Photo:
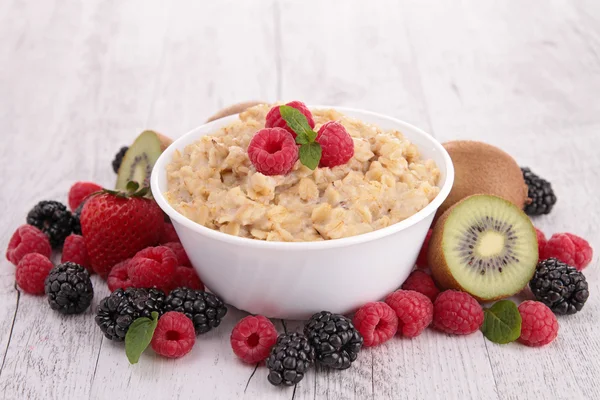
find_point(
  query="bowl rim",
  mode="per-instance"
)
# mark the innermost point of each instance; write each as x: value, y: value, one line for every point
x: 166, y: 156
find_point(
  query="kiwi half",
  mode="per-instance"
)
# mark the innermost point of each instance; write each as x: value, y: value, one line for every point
x: 485, y: 246
x: 139, y: 159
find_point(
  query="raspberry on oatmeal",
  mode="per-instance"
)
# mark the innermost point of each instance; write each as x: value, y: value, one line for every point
x: 213, y: 183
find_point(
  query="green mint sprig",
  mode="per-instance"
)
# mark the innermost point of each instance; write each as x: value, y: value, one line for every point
x: 502, y: 322
x: 138, y: 336
x: 310, y: 150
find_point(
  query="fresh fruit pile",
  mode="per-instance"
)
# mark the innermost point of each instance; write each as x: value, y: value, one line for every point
x: 483, y: 247
x: 157, y: 298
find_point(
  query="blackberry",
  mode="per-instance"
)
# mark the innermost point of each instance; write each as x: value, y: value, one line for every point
x: 540, y: 192
x: 116, y: 312
x: 69, y: 288
x: 290, y: 358
x: 52, y: 218
x: 204, y: 309
x: 336, y: 341
x: 116, y: 163
x: 559, y: 286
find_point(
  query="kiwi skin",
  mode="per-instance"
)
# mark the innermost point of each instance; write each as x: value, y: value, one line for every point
x: 234, y: 109
x: 480, y: 168
x: 437, y: 262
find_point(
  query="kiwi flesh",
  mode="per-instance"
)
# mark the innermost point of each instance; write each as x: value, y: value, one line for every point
x: 234, y: 109
x: 480, y: 168
x: 139, y: 159
x: 485, y: 246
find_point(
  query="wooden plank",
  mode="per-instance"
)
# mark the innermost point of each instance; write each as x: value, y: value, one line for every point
x: 525, y: 82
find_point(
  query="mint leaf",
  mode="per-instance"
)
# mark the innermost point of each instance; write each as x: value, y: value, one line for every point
x: 302, y: 139
x: 502, y: 322
x: 310, y: 154
x: 138, y: 337
x: 297, y: 122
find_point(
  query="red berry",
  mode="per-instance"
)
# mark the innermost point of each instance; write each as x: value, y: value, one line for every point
x: 27, y: 239
x: 273, y: 151
x: 568, y: 248
x: 168, y: 234
x: 252, y: 338
x: 376, y: 322
x: 182, y: 258
x: 185, y: 276
x: 422, y: 259
x: 174, y: 336
x: 274, y: 119
x: 421, y: 282
x: 153, y: 267
x: 79, y: 191
x: 541, y: 239
x: 336, y: 144
x: 31, y: 272
x: 116, y: 228
x: 539, y: 325
x: 457, y: 313
x: 413, y: 309
x: 118, y: 278
x: 74, y: 250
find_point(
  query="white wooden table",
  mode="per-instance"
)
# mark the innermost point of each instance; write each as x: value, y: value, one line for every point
x: 80, y: 79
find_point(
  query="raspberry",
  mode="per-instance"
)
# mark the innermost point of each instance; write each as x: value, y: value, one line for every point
x: 79, y: 191
x: 27, y: 239
x: 568, y: 248
x: 152, y: 267
x: 252, y: 338
x: 541, y: 239
x: 422, y: 259
x: 118, y: 277
x: 168, y: 234
x: 174, y: 336
x: 31, y: 272
x: 421, y: 282
x: 273, y: 151
x: 539, y: 325
x: 182, y: 258
x: 186, y: 277
x: 74, y: 250
x: 274, y: 119
x: 336, y: 144
x: 457, y: 313
x: 413, y: 309
x: 376, y: 322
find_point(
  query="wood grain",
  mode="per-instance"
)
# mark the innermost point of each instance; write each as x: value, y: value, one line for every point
x: 80, y: 79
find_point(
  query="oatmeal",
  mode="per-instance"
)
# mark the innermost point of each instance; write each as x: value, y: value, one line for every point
x: 213, y: 183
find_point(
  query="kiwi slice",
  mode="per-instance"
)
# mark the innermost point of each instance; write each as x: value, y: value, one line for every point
x: 485, y: 246
x: 139, y: 159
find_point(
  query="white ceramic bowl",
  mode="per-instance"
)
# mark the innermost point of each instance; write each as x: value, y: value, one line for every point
x: 295, y: 280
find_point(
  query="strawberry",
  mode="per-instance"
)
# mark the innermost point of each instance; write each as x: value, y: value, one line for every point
x: 116, y: 225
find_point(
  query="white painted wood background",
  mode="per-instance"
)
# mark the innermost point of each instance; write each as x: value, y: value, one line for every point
x: 79, y: 79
